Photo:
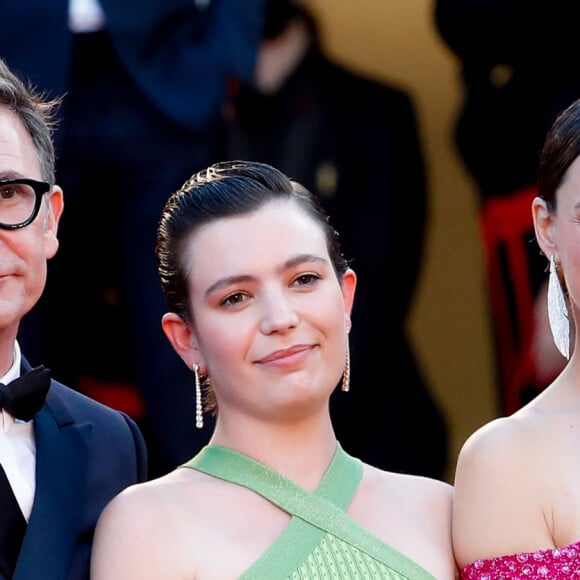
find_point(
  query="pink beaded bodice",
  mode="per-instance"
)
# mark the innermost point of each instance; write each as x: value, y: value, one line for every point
x: 552, y: 564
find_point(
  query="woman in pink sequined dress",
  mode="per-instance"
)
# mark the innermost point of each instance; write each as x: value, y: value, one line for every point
x: 517, y: 483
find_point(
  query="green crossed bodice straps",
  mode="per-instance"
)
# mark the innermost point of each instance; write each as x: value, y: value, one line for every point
x: 321, y: 540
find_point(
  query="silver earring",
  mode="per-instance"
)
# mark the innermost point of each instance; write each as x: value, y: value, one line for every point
x: 346, y: 374
x: 558, y: 312
x: 198, y: 399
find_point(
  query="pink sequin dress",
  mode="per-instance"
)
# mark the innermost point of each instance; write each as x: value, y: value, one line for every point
x: 552, y: 564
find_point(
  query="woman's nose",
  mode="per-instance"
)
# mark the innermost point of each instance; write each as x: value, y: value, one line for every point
x: 279, y: 316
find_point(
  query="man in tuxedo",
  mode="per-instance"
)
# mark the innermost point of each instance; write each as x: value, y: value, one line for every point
x: 143, y: 84
x: 63, y: 456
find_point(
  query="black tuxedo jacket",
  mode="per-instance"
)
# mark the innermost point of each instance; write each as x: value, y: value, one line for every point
x: 86, y: 453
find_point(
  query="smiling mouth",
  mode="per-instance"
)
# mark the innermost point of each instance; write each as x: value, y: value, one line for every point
x: 286, y: 354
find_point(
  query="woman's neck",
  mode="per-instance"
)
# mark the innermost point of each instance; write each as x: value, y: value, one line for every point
x: 300, y: 451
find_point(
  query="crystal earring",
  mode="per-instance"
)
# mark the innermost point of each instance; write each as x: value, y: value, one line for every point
x: 198, y: 398
x: 558, y: 312
x: 346, y: 374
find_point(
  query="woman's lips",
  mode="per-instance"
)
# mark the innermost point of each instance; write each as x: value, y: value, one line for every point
x: 286, y: 355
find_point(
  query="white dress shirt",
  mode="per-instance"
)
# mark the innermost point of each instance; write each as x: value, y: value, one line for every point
x: 17, y: 447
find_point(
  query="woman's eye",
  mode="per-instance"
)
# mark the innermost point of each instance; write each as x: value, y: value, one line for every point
x: 234, y: 299
x: 306, y: 279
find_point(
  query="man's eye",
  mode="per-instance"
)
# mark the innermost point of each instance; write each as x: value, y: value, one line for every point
x: 7, y: 192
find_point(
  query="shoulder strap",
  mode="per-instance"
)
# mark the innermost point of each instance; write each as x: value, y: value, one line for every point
x: 312, y: 507
x: 338, y: 484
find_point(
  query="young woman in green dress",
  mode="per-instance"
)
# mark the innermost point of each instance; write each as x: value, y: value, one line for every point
x: 259, y: 300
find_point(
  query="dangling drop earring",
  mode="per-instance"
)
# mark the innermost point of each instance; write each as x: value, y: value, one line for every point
x: 346, y: 374
x: 558, y: 312
x: 198, y: 399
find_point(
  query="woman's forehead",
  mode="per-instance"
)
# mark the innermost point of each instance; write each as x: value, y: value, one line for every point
x: 271, y: 233
x: 269, y: 221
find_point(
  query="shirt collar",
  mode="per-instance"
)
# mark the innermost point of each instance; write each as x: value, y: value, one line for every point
x: 14, y: 370
x: 13, y: 373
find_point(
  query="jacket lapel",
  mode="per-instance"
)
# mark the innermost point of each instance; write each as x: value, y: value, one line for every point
x: 61, y: 466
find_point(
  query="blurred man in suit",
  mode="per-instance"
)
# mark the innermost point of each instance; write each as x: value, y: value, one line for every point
x: 354, y: 142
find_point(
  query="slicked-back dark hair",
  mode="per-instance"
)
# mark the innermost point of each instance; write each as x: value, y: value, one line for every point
x: 561, y: 148
x: 226, y: 189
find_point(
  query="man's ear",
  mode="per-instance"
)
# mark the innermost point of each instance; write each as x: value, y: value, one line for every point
x: 182, y: 338
x: 55, y: 205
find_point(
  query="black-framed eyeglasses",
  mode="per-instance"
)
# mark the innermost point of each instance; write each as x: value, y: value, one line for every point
x: 20, y: 201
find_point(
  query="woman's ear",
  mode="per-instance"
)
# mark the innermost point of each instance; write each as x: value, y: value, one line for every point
x: 348, y: 285
x: 182, y: 338
x: 543, y: 227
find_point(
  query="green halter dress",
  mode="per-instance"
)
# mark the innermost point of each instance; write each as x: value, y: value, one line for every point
x: 321, y: 542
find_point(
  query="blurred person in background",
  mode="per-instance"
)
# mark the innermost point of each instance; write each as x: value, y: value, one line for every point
x: 354, y: 142
x: 518, y: 71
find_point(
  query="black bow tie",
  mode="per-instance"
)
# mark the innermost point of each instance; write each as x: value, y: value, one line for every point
x: 24, y: 396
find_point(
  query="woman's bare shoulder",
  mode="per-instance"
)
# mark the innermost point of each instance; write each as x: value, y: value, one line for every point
x: 155, y: 495
x: 421, y: 502
x: 412, y: 513
x: 142, y: 510
x: 417, y: 487
x: 424, y: 502
x: 499, y: 489
x: 497, y: 451
x: 131, y: 534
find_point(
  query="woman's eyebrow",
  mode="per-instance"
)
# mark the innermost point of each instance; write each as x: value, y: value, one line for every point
x: 240, y: 278
x: 303, y: 259
x: 228, y: 281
